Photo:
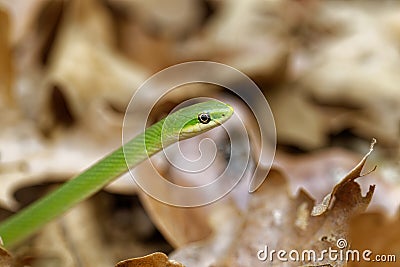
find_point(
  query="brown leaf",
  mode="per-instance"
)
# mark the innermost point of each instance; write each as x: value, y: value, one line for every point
x: 278, y: 221
x: 379, y: 234
x: 6, y: 63
x: 178, y: 225
x: 96, y: 232
x: 254, y: 53
x: 226, y: 221
x: 319, y: 171
x: 156, y: 259
x: 355, y: 71
x: 354, y: 174
x: 5, y: 257
x: 148, y: 29
x: 68, y: 84
x: 88, y: 93
x: 298, y: 122
x: 75, y: 239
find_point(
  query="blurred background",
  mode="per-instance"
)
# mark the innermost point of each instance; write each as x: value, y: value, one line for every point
x: 329, y: 70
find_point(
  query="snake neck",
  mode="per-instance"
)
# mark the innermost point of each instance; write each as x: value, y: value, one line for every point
x: 151, y: 141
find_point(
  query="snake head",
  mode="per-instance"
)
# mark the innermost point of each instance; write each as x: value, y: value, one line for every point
x: 199, y: 118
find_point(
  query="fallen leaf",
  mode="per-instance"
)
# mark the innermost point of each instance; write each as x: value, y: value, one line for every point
x: 70, y: 240
x: 103, y: 78
x: 5, y: 257
x: 276, y: 221
x: 298, y: 122
x: 156, y: 259
x: 34, y: 139
x: 355, y: 70
x: 379, y: 234
x: 354, y: 174
x: 96, y: 232
x: 178, y: 225
x: 316, y: 172
x: 23, y: 15
x: 258, y: 55
x: 326, y: 67
x: 6, y: 63
x: 319, y: 171
x: 226, y: 221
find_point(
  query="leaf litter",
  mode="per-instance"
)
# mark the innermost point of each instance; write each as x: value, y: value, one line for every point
x: 327, y: 68
x: 277, y: 221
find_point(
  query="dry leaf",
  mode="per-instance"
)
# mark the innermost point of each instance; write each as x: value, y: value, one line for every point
x: 178, y: 225
x: 325, y: 67
x: 24, y: 15
x: 276, y: 220
x: 27, y: 159
x: 237, y: 36
x: 89, y: 79
x: 226, y: 221
x: 356, y: 70
x: 156, y: 259
x: 149, y: 28
x: 67, y: 92
x: 281, y: 223
x: 354, y: 174
x: 379, y: 234
x: 74, y: 239
x: 96, y: 232
x: 6, y: 63
x: 5, y: 257
x: 298, y: 122
x: 319, y: 171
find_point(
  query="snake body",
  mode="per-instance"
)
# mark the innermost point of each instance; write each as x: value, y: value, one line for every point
x: 182, y: 124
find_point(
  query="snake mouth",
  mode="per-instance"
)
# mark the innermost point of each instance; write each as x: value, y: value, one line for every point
x: 224, y: 116
x: 218, y: 122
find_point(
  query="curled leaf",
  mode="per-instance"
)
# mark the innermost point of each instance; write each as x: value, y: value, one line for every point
x: 156, y: 259
x: 276, y: 221
x: 321, y: 208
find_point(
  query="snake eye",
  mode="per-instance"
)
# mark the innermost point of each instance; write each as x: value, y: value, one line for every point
x: 204, y: 118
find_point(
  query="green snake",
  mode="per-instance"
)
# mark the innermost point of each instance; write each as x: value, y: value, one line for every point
x: 182, y: 124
